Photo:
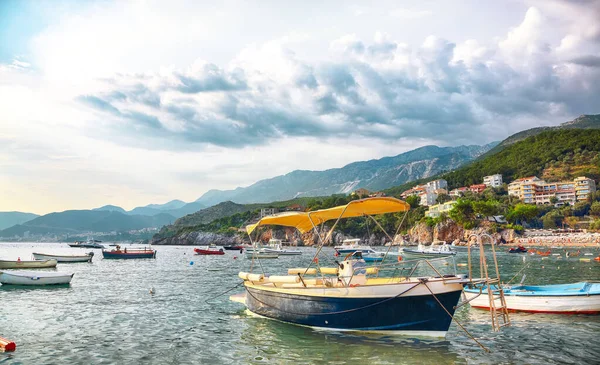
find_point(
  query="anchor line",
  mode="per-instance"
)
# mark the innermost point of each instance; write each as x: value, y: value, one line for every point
x: 337, y: 312
x: 455, y: 320
x: 225, y: 292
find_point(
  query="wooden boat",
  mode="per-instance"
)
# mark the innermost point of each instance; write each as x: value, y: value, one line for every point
x: 64, y: 258
x: 518, y: 249
x: 19, y: 264
x: 209, y: 250
x: 576, y: 298
x: 422, y: 252
x: 350, y: 297
x: 34, y: 278
x: 117, y: 253
x: 262, y: 255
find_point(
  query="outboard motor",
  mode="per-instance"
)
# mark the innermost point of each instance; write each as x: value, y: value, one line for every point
x: 352, y: 272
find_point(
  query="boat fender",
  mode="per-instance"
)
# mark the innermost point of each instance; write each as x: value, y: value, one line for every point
x: 7, y: 345
x: 243, y: 275
x: 399, y: 258
x: 256, y: 277
x: 287, y: 279
x: 354, y: 285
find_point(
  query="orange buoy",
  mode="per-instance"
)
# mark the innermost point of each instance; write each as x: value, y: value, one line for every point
x: 399, y: 258
x: 7, y: 345
x: 597, y: 258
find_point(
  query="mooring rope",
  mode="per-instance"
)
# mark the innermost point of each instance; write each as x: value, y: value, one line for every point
x: 225, y: 292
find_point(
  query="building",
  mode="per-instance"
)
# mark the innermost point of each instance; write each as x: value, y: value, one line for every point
x: 377, y: 194
x: 438, y: 209
x: 267, y: 211
x: 295, y: 208
x: 458, y: 192
x: 428, y: 198
x: 362, y: 192
x: 583, y: 187
x: 533, y: 190
x: 477, y: 188
x: 494, y: 181
x: 437, y: 184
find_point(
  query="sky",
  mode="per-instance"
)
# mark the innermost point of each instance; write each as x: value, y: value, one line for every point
x: 138, y: 102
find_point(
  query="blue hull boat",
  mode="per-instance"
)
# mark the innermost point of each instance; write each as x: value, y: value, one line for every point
x: 131, y: 254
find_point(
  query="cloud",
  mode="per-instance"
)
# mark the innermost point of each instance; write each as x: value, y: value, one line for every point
x: 403, y: 13
x: 587, y: 60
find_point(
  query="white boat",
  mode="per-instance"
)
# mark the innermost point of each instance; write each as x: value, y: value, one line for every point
x: 576, y: 298
x: 261, y: 254
x: 20, y: 264
x: 34, y: 278
x: 352, y: 245
x: 422, y: 252
x: 351, y: 296
x: 64, y: 258
x: 275, y: 247
x: 90, y: 243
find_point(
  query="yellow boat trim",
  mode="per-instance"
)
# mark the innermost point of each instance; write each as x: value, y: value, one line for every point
x: 304, y: 221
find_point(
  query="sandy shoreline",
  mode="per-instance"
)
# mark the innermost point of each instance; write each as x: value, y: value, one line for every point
x: 550, y: 239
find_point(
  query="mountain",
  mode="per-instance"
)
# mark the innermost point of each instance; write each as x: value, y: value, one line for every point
x: 81, y: 221
x: 8, y: 219
x: 582, y: 122
x: 111, y: 208
x: 372, y: 175
x: 173, y: 204
x: 168, y: 208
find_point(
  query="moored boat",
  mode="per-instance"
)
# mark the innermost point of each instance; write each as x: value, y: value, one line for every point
x: 34, y: 278
x: 575, y: 298
x: 90, y: 243
x: 276, y: 248
x: 209, y: 250
x: 234, y: 247
x: 64, y: 258
x: 20, y: 264
x: 351, y: 245
x: 117, y: 253
x: 262, y: 255
x: 422, y: 252
x: 351, y: 297
x: 518, y: 249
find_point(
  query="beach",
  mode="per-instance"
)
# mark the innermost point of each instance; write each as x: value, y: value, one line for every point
x: 552, y: 238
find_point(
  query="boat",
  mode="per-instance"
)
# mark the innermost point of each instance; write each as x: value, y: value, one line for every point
x: 275, y: 247
x: 117, y: 253
x: 351, y: 245
x: 234, y: 247
x: 90, y: 243
x: 422, y: 252
x: 541, y: 253
x: 351, y: 296
x: 64, y: 258
x: 518, y: 249
x: 20, y: 264
x: 262, y: 255
x: 575, y: 298
x: 209, y: 250
x: 34, y: 278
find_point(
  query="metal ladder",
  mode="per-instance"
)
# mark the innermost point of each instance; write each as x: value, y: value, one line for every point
x: 495, y: 292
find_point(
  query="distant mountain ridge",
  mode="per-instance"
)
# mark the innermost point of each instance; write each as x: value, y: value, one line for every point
x: 372, y: 175
x: 78, y: 221
x: 9, y: 219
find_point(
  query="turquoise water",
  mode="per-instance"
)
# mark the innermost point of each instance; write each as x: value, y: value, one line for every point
x: 108, y: 316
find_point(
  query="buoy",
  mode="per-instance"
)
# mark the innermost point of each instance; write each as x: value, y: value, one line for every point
x: 461, y: 265
x: 152, y: 290
x: 191, y: 263
x: 399, y: 258
x: 7, y: 345
x: 542, y: 267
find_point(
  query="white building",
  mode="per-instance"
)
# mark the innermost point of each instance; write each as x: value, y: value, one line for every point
x: 437, y: 184
x: 267, y: 211
x: 495, y: 181
x: 428, y: 198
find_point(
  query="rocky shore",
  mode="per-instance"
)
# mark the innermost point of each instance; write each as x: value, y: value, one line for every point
x: 198, y: 239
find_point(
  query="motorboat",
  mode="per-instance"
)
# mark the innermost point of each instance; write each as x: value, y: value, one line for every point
x: 351, y: 296
x: 575, y: 298
x: 209, y: 250
x: 118, y: 253
x: 429, y: 252
x: 34, y: 278
x: 351, y: 245
x: 64, y: 258
x: 234, y: 247
x: 518, y: 249
x: 34, y: 264
x: 90, y: 243
x: 276, y: 247
x: 262, y: 255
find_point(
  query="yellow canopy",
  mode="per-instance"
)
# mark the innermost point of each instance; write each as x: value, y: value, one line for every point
x: 304, y: 221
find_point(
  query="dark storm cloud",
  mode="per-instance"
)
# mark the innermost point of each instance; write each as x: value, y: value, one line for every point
x: 587, y: 60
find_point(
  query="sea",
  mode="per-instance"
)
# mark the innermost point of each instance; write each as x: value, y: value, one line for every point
x: 109, y: 316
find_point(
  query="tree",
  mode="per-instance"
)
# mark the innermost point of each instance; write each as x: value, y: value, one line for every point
x: 571, y: 222
x: 552, y: 219
x: 581, y: 208
x: 522, y: 212
x: 413, y: 201
x: 462, y: 212
x: 486, y: 208
x: 553, y: 200
x: 595, y: 209
x: 442, y: 198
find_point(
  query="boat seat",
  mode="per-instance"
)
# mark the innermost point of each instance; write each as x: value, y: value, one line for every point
x: 251, y: 277
x: 281, y: 279
x: 329, y: 270
x: 372, y: 270
x: 299, y: 270
x: 308, y: 282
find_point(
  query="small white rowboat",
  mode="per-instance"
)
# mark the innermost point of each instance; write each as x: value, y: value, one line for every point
x: 64, y: 258
x: 34, y: 278
x: 36, y: 264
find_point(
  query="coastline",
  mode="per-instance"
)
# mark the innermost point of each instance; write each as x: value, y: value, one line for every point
x: 550, y: 239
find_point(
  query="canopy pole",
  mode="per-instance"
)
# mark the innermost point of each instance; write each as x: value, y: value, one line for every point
x: 390, y: 246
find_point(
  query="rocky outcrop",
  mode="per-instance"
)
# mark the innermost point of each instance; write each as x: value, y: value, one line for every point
x: 198, y: 239
x: 451, y: 232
